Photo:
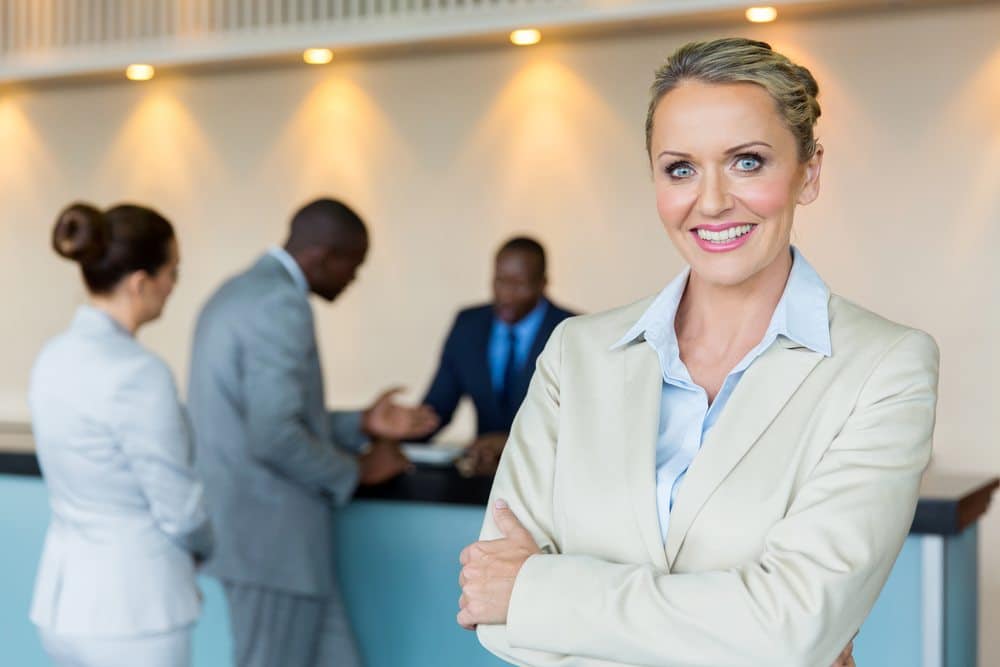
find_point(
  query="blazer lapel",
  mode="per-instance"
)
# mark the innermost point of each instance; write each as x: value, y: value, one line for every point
x: 640, y: 410
x: 762, y: 392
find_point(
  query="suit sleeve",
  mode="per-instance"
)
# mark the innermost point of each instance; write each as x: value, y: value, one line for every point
x: 446, y: 389
x: 155, y: 437
x: 821, y: 569
x: 345, y: 429
x: 279, y: 345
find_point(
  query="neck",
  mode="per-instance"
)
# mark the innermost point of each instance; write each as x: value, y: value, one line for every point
x: 721, y: 315
x: 302, y: 261
x: 119, y: 310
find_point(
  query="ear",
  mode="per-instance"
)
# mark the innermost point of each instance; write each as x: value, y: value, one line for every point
x: 810, y: 186
x: 309, y: 257
x: 135, y: 283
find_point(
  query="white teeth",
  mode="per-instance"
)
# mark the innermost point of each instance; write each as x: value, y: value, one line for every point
x: 724, y: 235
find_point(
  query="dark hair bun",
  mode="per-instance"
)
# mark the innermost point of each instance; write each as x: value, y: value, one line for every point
x: 81, y: 233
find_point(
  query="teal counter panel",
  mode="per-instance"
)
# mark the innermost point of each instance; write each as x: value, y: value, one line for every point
x: 398, y: 567
x: 24, y: 516
x: 398, y: 564
x: 891, y: 634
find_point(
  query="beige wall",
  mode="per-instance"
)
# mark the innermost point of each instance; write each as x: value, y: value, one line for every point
x: 447, y: 154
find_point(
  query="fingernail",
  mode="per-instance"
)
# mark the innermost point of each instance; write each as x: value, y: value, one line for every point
x: 500, y: 504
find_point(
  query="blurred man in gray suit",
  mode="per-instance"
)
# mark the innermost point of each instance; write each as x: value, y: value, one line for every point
x: 274, y: 461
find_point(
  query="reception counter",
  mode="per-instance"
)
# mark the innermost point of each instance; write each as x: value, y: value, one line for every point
x: 398, y: 546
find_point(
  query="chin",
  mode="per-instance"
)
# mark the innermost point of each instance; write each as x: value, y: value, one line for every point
x: 731, y: 269
x: 330, y: 295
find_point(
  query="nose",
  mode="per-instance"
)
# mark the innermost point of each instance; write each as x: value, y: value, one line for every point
x: 714, y: 198
x: 502, y: 293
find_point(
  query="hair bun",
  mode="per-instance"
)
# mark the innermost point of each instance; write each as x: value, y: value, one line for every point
x: 81, y: 233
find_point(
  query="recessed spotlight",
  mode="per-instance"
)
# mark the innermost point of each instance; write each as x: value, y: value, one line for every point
x: 761, y: 14
x: 317, y: 56
x: 139, y: 72
x: 525, y: 37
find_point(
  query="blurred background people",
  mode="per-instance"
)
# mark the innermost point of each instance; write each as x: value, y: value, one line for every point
x: 276, y: 462
x: 490, y: 352
x: 116, y: 583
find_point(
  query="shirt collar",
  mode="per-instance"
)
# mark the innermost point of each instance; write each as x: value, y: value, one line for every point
x: 293, y: 268
x: 91, y: 319
x: 802, y: 315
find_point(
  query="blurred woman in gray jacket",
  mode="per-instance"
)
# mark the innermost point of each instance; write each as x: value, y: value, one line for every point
x: 116, y: 583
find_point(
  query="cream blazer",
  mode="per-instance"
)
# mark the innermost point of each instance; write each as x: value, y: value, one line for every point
x: 783, y: 531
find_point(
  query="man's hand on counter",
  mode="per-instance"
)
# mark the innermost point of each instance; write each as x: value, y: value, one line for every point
x: 392, y: 421
x: 382, y: 462
x: 483, y: 456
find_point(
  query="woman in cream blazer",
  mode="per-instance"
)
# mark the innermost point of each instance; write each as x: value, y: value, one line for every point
x: 722, y: 475
x: 116, y: 582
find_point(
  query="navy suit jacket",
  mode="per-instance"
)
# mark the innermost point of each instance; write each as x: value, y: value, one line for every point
x: 464, y: 369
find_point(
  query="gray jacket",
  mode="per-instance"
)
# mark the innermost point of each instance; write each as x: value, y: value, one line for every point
x: 274, y: 461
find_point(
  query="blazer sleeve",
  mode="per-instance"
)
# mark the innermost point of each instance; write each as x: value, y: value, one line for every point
x: 820, y: 571
x: 279, y: 350
x: 155, y: 437
x: 345, y: 429
x: 446, y: 389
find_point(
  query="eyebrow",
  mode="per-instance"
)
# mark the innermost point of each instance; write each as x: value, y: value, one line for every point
x: 734, y: 149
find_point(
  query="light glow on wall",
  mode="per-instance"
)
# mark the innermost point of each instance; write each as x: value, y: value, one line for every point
x: 525, y: 37
x: 761, y: 14
x: 139, y: 72
x: 317, y: 56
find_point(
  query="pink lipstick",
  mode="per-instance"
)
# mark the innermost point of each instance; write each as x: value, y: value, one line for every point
x: 723, y: 237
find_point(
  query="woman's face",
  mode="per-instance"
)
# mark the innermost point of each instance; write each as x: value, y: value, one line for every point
x: 157, y: 287
x: 728, y: 178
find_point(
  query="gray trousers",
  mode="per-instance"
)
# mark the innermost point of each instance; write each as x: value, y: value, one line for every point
x: 273, y: 628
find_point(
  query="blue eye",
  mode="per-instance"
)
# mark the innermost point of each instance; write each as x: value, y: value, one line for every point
x: 749, y: 162
x: 680, y: 170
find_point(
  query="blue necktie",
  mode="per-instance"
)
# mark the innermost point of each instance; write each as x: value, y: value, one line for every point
x: 509, y: 375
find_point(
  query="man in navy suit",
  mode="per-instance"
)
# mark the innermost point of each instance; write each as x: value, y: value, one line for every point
x: 490, y: 352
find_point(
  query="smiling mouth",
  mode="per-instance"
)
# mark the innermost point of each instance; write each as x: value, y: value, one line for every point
x: 724, y: 235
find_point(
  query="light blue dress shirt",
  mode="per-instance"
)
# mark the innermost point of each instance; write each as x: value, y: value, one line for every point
x: 525, y: 331
x: 686, y: 417
x: 291, y: 266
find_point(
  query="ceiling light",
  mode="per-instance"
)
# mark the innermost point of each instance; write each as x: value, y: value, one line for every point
x: 761, y: 14
x: 525, y: 37
x: 139, y: 72
x: 317, y: 56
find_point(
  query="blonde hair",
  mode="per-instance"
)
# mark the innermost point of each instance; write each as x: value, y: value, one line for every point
x: 738, y: 60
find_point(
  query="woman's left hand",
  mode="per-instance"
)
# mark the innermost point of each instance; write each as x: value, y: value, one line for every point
x: 489, y: 569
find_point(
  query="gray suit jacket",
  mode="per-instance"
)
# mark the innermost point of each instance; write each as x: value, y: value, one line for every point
x: 273, y: 459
